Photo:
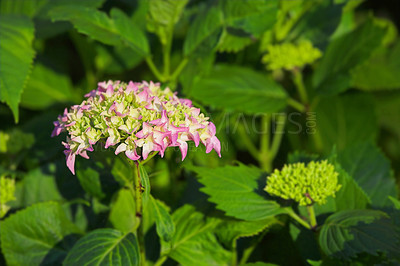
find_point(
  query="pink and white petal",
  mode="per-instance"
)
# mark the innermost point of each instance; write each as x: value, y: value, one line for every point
x: 121, y: 147
x: 131, y: 154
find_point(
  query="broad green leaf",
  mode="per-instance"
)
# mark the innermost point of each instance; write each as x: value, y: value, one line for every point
x: 234, y: 190
x: 204, y: 33
x: 345, y: 120
x: 40, y: 8
x: 229, y: 230
x: 318, y: 24
x: 380, y: 72
x: 105, y: 247
x: 395, y: 202
x: 22, y: 7
x: 350, y: 196
x: 37, y: 235
x: 16, y: 34
x: 164, y: 225
x: 162, y: 17
x: 30, y: 190
x: 251, y: 16
x: 90, y: 180
x: 343, y: 54
x: 123, y: 211
x: 193, y: 242
x: 371, y: 170
x: 117, y: 59
x: 130, y: 34
x: 145, y: 183
x: 122, y: 171
x: 348, y: 233
x: 46, y: 87
x: 239, y: 89
x: 89, y: 21
x: 98, y: 26
x: 230, y: 42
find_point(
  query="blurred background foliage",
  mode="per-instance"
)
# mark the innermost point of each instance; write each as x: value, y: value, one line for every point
x: 237, y: 60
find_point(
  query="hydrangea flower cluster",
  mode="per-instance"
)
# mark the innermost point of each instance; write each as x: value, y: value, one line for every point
x: 289, y: 56
x: 135, y: 118
x: 304, y: 184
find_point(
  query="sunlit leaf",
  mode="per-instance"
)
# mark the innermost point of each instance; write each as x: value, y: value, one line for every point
x: 105, y: 247
x: 39, y: 235
x: 164, y: 225
x: 16, y: 56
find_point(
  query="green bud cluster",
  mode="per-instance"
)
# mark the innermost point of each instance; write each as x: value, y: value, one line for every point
x: 289, y: 56
x: 7, y: 189
x: 304, y: 184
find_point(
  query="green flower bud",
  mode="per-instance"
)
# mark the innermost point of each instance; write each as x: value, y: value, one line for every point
x: 304, y: 184
x: 289, y: 56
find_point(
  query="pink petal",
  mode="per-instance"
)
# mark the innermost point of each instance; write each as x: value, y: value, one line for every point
x: 122, y: 147
x: 132, y: 155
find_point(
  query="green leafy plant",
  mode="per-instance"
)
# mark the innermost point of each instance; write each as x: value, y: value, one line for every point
x: 299, y: 99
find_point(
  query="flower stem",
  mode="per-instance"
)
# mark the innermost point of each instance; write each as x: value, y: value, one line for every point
x: 298, y: 81
x: 247, y: 142
x: 161, y: 260
x: 311, y: 214
x: 296, y: 105
x: 154, y: 69
x: 139, y: 213
x: 292, y: 214
x: 179, y: 69
x: 278, y: 134
x: 265, y: 157
x: 167, y: 56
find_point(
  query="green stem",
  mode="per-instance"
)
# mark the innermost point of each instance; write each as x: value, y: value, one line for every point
x: 247, y: 252
x: 296, y: 105
x: 139, y: 213
x: 298, y: 81
x: 278, y: 134
x: 167, y: 56
x: 149, y: 158
x: 265, y: 156
x: 297, y: 218
x: 179, y: 69
x: 234, y: 254
x: 154, y: 69
x: 160, y: 261
x: 311, y: 214
x: 247, y: 142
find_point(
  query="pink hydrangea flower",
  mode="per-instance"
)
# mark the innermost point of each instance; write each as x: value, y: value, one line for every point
x: 135, y: 118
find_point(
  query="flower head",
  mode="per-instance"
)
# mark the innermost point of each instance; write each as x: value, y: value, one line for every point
x: 289, y: 56
x: 136, y: 119
x: 304, y: 184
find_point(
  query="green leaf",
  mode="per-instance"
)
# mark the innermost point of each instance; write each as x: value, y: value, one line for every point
x: 122, y: 172
x: 90, y: 180
x: 52, y: 4
x: 30, y: 190
x: 350, y: 196
x: 46, y: 87
x: 98, y: 26
x: 345, y: 120
x: 318, y: 24
x: 88, y: 21
x: 145, y: 183
x: 239, y: 89
x: 395, y: 202
x: 105, y: 247
x: 123, y: 211
x: 251, y: 16
x: 380, y: 72
x: 229, y: 230
x: 204, y: 33
x: 37, y: 235
x: 130, y: 33
x: 162, y: 17
x: 164, y: 225
x: 116, y: 59
x: 16, y: 34
x: 230, y: 42
x: 234, y: 190
x: 348, y: 233
x: 343, y: 54
x: 193, y: 242
x: 22, y: 7
x: 370, y: 168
